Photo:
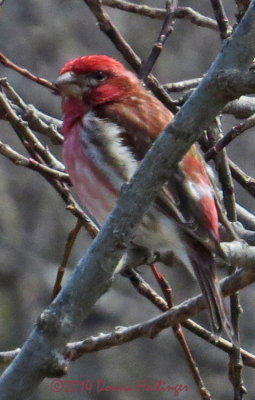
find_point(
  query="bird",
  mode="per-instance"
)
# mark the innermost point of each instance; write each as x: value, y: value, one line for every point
x: 110, y: 121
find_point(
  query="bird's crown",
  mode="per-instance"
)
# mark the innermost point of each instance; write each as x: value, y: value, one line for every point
x: 92, y: 63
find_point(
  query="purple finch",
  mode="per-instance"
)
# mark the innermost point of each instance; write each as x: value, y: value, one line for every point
x: 110, y: 121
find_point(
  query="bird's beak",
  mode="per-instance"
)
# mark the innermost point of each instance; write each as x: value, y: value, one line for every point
x: 65, y: 79
x: 68, y: 85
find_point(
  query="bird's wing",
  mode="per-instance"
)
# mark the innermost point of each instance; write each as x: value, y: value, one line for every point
x: 189, y: 199
x: 188, y: 196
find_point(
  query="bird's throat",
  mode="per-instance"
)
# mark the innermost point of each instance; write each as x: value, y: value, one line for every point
x: 74, y: 109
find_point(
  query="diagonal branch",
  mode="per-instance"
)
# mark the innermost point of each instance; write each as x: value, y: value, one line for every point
x: 234, y: 132
x: 221, y: 18
x: 179, y: 334
x: 24, y: 72
x: 246, y: 181
x: 166, y: 30
x: 19, y: 159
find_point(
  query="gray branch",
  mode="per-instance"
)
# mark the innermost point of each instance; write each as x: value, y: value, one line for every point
x: 154, y: 326
x: 241, y: 108
x: 236, y: 253
x: 245, y: 217
x: 42, y: 354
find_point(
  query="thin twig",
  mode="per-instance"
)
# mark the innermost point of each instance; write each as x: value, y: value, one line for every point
x: 222, y: 167
x: 19, y: 159
x: 236, y: 363
x: 178, y: 332
x: 205, y: 143
x: 71, y: 205
x: 68, y: 248
x: 37, y: 120
x: 183, y: 85
x: 32, y: 144
x: 166, y: 30
x: 221, y: 18
x: 33, y: 117
x: 196, y: 18
x: 246, y: 181
x: 146, y: 290
x: 221, y: 343
x: 246, y: 217
x: 234, y: 132
x: 149, y: 293
x: 24, y: 72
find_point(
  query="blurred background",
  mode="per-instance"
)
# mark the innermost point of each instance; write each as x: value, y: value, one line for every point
x: 41, y: 36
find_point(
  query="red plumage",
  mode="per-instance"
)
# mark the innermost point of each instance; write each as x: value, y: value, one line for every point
x: 110, y: 121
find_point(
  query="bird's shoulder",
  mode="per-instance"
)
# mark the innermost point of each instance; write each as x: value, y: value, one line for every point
x: 141, y: 116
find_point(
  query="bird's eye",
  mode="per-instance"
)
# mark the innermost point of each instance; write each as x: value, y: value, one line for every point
x: 100, y: 75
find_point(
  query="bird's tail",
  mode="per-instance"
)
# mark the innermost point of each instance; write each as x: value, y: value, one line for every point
x: 205, y: 270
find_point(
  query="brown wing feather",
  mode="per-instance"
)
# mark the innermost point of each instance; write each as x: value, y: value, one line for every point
x: 141, y: 126
x: 142, y: 116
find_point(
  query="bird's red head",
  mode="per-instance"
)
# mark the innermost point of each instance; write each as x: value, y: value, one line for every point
x: 91, y: 64
x: 96, y: 79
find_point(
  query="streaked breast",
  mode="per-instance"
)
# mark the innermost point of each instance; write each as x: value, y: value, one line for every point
x: 98, y: 164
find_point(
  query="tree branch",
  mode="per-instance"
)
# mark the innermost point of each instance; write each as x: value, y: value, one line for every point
x: 24, y: 72
x: 234, y: 132
x: 19, y: 159
x: 159, y: 13
x: 221, y: 18
x: 155, y: 325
